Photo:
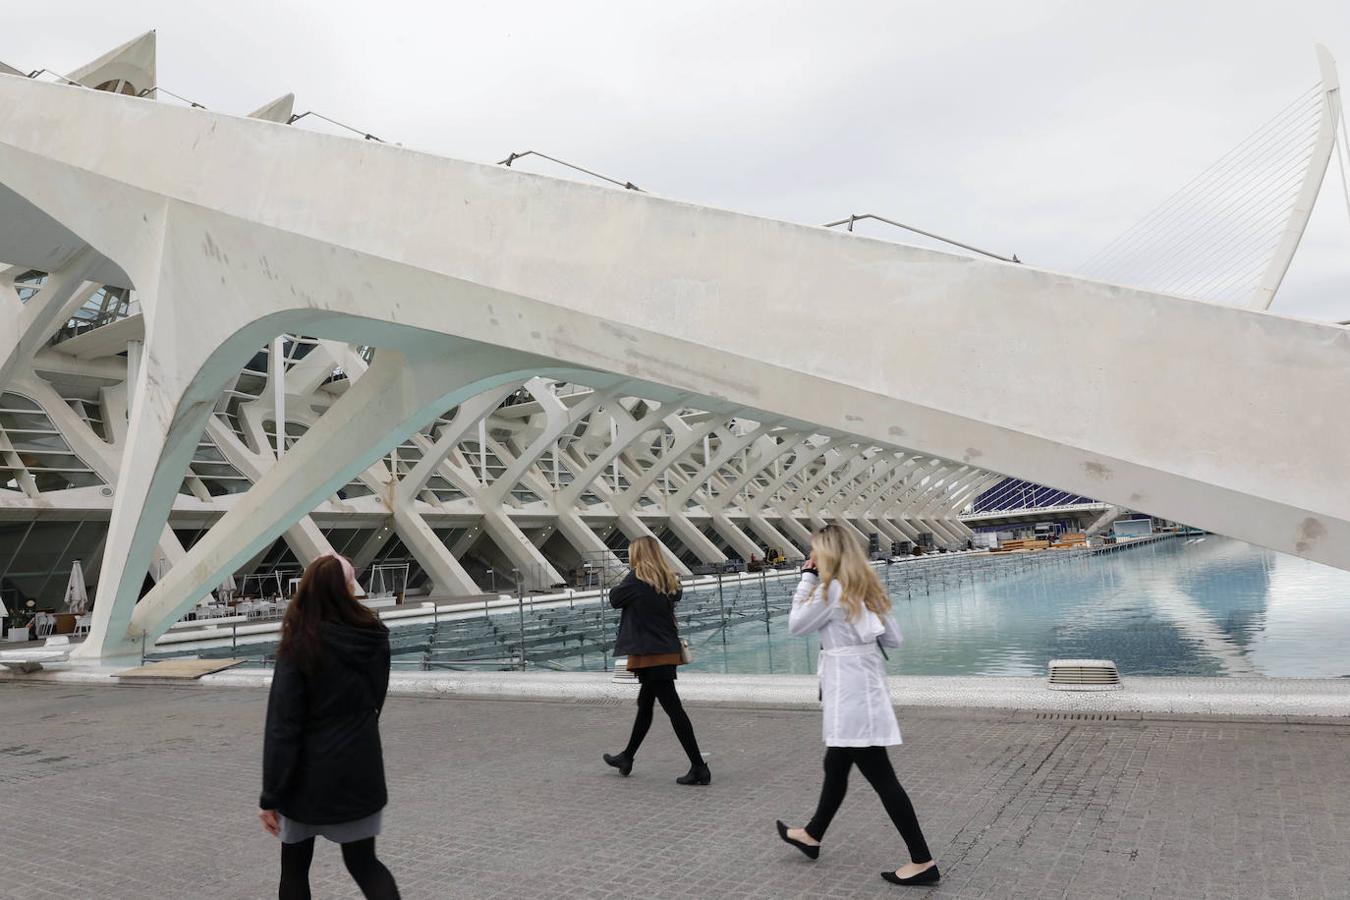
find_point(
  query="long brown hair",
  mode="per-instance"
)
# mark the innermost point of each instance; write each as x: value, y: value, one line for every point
x: 649, y: 565
x: 325, y: 595
x: 839, y: 557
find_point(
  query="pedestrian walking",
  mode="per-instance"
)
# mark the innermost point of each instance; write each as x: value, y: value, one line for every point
x: 650, y: 638
x: 323, y: 768
x: 841, y: 598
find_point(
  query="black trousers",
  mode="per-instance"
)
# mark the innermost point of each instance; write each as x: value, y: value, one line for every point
x: 875, y: 765
x: 371, y: 876
x: 654, y: 690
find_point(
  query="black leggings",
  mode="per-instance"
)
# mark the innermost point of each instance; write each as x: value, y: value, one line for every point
x: 371, y: 876
x: 664, y: 691
x: 876, y: 768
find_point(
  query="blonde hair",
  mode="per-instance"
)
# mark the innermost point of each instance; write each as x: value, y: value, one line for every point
x: 649, y: 565
x: 840, y: 558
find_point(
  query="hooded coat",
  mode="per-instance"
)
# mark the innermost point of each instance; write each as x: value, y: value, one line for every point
x: 322, y: 759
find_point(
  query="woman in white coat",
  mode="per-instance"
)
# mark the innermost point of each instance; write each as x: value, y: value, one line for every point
x: 841, y: 598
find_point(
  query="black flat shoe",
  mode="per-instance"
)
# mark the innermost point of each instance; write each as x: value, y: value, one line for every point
x: 930, y: 875
x: 621, y: 762
x: 811, y: 851
x: 696, y: 775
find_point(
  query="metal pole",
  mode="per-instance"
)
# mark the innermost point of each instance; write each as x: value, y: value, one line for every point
x: 764, y: 594
x: 520, y: 609
x: 278, y: 374
x: 604, y: 653
x: 722, y: 603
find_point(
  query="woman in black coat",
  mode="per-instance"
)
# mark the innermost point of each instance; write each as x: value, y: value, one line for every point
x: 323, y: 768
x: 650, y: 639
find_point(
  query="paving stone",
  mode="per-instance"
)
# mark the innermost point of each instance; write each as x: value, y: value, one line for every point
x: 150, y: 792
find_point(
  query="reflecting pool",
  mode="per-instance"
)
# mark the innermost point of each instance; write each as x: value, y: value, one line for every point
x: 1185, y: 606
x: 1206, y: 606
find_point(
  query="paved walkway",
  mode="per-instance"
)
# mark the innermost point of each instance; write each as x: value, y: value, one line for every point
x: 150, y: 792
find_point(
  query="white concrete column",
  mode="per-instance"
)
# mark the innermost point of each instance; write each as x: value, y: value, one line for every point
x: 135, y: 351
x: 28, y: 326
x: 396, y: 396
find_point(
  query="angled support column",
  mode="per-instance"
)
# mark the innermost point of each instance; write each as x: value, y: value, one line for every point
x: 584, y: 539
x: 633, y: 527
x: 805, y: 495
x: 305, y: 539
x: 771, y: 536
x: 863, y: 473
x: 935, y: 497
x: 693, y: 538
x: 100, y: 456
x: 364, y: 555
x: 447, y: 575
x: 861, y: 502
x: 558, y: 418
x: 395, y: 396
x: 30, y: 325
x: 894, y: 501
x: 951, y: 514
x: 686, y: 438
x: 915, y: 500
x: 787, y: 524
x: 941, y: 511
x: 732, y: 534
x: 751, y: 507
x: 499, y: 526
x: 728, y: 446
x: 628, y: 430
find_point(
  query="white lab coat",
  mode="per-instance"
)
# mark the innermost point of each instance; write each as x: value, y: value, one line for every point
x: 855, y: 698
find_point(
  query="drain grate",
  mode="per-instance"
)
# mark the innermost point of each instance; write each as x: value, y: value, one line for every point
x: 1084, y: 675
x: 1078, y: 717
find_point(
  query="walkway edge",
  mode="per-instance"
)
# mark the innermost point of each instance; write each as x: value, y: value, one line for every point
x: 1281, y: 697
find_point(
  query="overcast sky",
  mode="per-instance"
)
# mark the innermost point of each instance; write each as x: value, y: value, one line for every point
x: 1044, y: 129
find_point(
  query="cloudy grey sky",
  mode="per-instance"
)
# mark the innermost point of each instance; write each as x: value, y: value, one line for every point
x: 1044, y: 129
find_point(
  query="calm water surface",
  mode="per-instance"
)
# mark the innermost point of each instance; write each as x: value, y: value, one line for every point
x: 1211, y: 606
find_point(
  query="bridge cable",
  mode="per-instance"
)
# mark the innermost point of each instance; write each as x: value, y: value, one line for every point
x: 1240, y: 154
x: 1214, y: 237
x: 1218, y: 203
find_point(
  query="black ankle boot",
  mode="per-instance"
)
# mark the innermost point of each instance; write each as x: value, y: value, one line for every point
x: 699, y: 774
x: 623, y: 762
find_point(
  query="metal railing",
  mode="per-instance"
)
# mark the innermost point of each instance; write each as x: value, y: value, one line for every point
x: 732, y: 621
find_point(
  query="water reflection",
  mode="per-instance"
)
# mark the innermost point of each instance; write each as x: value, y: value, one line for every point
x: 1214, y: 607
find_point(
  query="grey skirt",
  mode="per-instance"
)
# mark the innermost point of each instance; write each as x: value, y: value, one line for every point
x: 293, y: 832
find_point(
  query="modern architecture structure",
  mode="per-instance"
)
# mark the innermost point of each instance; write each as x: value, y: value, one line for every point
x: 229, y: 344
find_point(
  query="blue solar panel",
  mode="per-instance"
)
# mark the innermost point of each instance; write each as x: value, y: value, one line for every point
x: 1012, y: 494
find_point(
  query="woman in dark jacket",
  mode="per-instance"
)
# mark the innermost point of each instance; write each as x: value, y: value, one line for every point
x: 650, y: 639
x: 323, y: 769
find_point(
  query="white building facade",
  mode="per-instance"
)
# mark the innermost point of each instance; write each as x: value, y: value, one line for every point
x: 230, y: 345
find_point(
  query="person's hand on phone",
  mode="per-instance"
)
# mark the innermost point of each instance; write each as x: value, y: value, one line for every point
x: 271, y: 824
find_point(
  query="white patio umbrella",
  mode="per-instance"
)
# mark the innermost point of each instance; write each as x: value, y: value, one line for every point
x: 77, y: 597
